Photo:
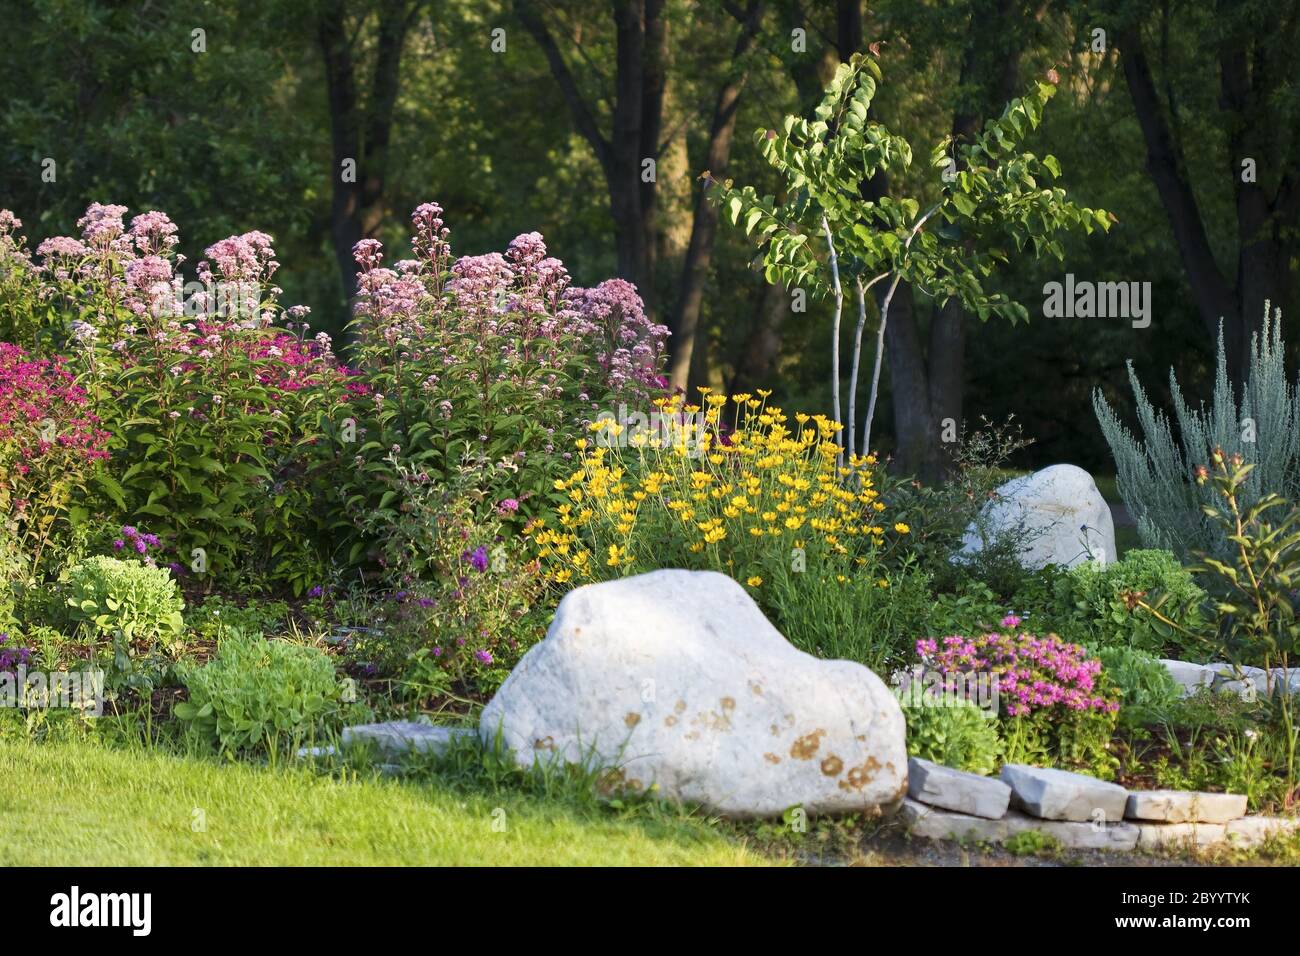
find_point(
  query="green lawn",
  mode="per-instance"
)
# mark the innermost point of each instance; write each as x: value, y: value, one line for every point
x: 87, y: 805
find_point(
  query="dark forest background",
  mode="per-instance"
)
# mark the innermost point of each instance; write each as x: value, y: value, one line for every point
x: 1161, y: 103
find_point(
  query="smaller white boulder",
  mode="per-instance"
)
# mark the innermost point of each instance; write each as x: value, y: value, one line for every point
x: 1058, y: 511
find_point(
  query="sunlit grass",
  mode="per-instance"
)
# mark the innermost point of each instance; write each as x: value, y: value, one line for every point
x: 87, y: 805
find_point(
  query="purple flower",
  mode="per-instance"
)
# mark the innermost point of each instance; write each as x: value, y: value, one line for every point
x: 478, y: 558
x: 484, y: 655
x: 119, y: 544
x: 316, y: 592
x: 508, y: 505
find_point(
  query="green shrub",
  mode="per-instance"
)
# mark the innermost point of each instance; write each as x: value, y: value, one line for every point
x: 952, y: 732
x: 1147, y: 692
x: 259, y: 694
x: 941, y: 513
x: 464, y: 604
x: 110, y: 595
x: 1154, y: 476
x: 1104, y: 614
x: 135, y: 609
x: 216, y: 615
x: 872, y: 621
x: 1077, y: 740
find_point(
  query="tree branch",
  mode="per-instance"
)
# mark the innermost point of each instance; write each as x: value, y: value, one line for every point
x: 1168, y: 171
x: 583, y: 118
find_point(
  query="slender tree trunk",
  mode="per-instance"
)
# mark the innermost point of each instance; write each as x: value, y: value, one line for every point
x: 625, y: 186
x: 1210, y: 289
x: 638, y: 103
x: 835, y: 331
x: 1254, y: 67
x: 763, y: 344
x: 345, y: 135
x: 360, y: 136
x: 654, y: 86
x: 685, y: 319
x: 927, y: 375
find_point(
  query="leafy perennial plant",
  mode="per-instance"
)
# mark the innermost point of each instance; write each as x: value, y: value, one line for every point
x: 51, y: 446
x: 727, y: 485
x: 488, y: 363
x: 1056, y: 703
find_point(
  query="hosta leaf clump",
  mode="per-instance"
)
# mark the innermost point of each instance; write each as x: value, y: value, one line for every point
x: 258, y: 694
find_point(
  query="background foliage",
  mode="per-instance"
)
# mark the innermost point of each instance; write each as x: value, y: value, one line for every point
x: 239, y: 137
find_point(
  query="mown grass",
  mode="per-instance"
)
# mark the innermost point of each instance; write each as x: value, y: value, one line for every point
x: 83, y: 804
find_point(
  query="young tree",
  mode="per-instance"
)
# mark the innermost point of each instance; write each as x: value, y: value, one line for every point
x: 826, y: 237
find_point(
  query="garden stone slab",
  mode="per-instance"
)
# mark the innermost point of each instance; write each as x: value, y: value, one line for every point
x: 675, y: 680
x: 1190, y: 677
x: 1061, y: 795
x: 404, y: 736
x: 1075, y: 835
x: 1154, y: 836
x: 951, y: 789
x: 1065, y: 519
x: 344, y: 635
x: 302, y: 753
x: 1182, y: 806
x: 934, y: 823
x: 1252, y: 831
x: 1246, y: 682
x: 1256, y: 686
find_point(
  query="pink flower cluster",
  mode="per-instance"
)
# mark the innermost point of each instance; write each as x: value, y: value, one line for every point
x: 629, y: 345
x: 1033, y: 673
x: 246, y: 258
x: 42, y: 410
x: 523, y: 297
x: 286, y: 363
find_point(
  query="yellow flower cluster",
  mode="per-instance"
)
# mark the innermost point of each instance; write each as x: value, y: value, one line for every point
x: 722, y: 480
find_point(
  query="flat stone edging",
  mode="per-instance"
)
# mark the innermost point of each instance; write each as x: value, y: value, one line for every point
x: 1248, y: 682
x: 1078, y: 811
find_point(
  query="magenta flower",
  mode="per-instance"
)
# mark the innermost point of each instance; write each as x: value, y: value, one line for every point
x: 1033, y: 673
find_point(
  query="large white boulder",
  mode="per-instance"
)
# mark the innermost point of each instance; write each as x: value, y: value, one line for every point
x: 1061, y: 514
x: 675, y: 679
